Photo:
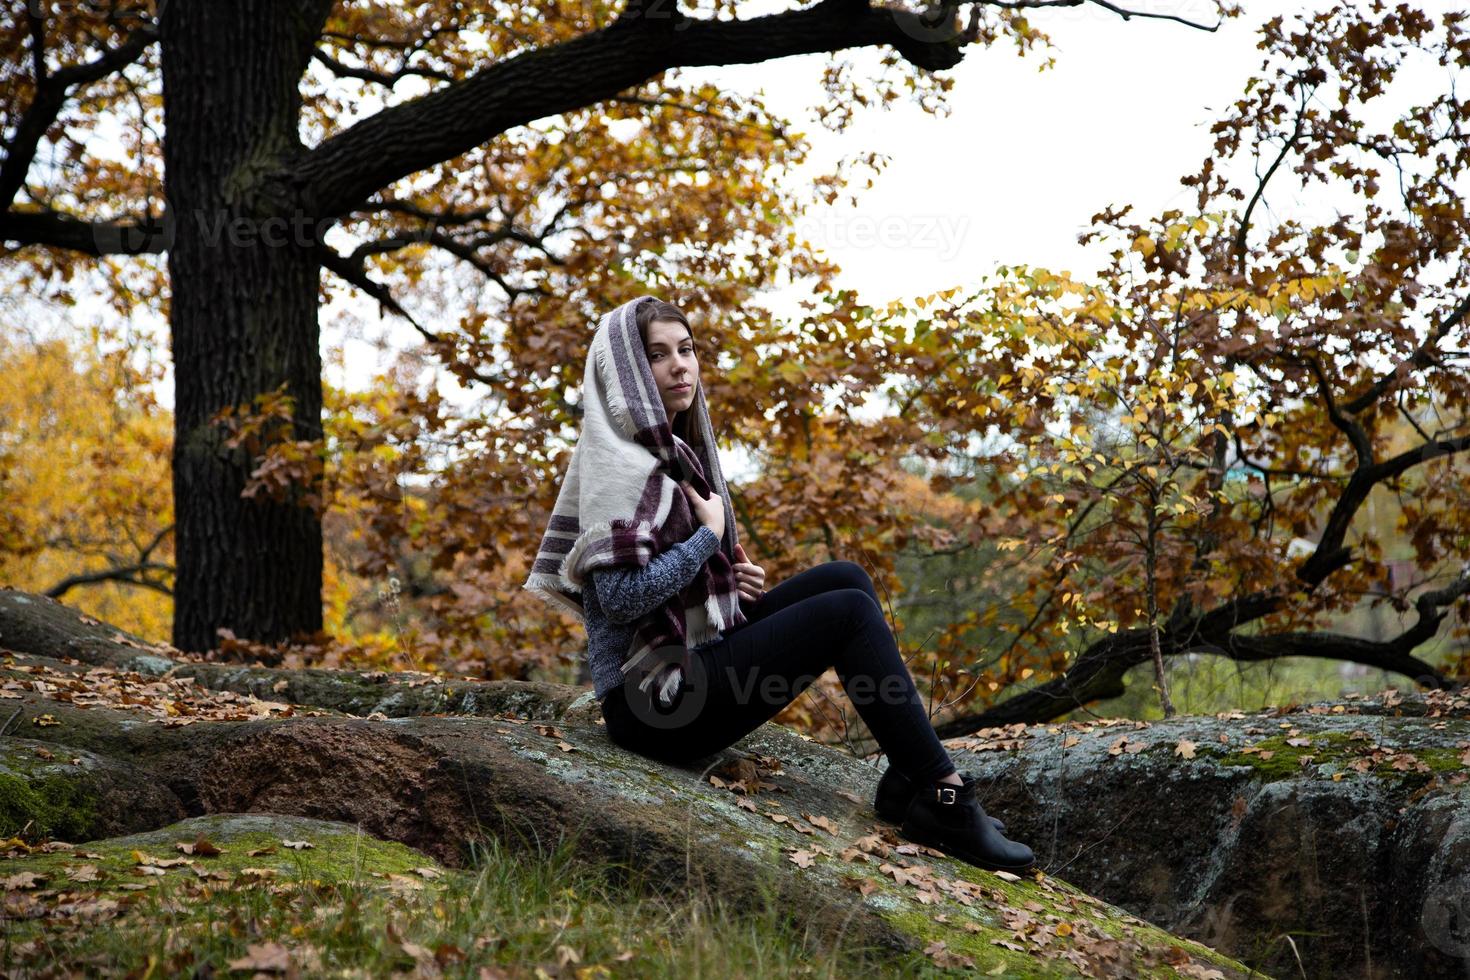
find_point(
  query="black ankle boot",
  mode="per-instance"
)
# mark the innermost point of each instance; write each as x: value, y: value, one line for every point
x: 896, y: 792
x: 949, y: 818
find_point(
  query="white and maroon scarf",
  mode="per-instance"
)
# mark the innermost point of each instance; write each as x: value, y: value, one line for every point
x: 620, y: 504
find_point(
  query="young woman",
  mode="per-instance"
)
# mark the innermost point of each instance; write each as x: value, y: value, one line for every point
x: 688, y: 650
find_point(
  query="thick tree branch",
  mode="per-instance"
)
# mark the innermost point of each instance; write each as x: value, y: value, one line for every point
x: 648, y: 39
x: 1099, y: 671
x: 1395, y: 654
x: 97, y: 238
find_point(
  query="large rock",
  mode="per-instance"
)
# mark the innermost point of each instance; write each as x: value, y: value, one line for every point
x: 68, y: 793
x: 1331, y: 840
x: 805, y: 838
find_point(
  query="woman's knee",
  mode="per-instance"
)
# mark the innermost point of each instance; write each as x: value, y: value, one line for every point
x: 858, y: 605
x: 851, y: 575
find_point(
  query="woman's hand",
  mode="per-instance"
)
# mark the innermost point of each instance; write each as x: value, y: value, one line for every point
x: 752, y: 578
x: 711, y: 512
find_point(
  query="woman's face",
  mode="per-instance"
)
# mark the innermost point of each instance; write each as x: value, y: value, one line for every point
x: 675, y: 368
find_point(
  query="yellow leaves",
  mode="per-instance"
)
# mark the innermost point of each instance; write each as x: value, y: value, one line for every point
x: 1144, y: 244
x: 84, y: 473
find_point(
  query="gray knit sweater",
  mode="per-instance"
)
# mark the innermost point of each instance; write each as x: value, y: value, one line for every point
x: 621, y: 595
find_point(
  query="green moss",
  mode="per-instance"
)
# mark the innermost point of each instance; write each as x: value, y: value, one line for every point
x: 334, y: 856
x: 1443, y: 760
x: 45, y: 806
x: 1337, y: 750
x: 989, y: 958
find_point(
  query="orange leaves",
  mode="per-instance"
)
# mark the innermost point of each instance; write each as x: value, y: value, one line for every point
x: 284, y: 468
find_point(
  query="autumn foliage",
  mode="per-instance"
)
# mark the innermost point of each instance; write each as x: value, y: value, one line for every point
x: 1177, y: 454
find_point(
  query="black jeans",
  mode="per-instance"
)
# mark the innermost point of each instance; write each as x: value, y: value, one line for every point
x: 827, y: 616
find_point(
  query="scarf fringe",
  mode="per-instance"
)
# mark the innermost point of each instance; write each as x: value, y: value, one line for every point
x: 714, y: 624
x: 549, y: 588
x: 616, y: 409
x: 586, y: 540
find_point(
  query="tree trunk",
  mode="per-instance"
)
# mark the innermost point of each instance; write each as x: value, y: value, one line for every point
x: 244, y: 273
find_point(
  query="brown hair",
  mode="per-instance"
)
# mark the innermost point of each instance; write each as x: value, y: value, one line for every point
x: 656, y: 309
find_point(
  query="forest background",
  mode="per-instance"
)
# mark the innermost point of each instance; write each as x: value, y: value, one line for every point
x: 1213, y: 461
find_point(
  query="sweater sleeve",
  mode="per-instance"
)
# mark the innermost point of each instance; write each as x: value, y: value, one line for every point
x: 627, y: 594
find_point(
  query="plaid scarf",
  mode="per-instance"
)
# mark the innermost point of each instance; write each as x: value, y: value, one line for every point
x: 620, y: 503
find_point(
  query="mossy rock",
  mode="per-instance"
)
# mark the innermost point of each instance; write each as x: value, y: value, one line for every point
x: 1338, y: 828
x: 338, y: 852
x: 56, y: 791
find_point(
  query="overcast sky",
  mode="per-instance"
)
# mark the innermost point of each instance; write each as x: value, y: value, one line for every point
x: 1013, y: 174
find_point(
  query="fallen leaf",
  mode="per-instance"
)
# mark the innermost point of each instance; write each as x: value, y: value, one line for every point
x: 1185, y: 749
x: 200, y: 847
x: 802, y: 859
x: 22, y: 879
x: 264, y: 957
x: 822, y: 822
x: 84, y: 872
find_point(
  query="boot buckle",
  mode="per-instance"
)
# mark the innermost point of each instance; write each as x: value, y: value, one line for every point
x: 944, y: 794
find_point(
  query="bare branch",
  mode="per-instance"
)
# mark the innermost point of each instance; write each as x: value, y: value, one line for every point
x: 51, y: 94
x: 387, y: 79
x: 127, y: 574
x: 1421, y: 358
